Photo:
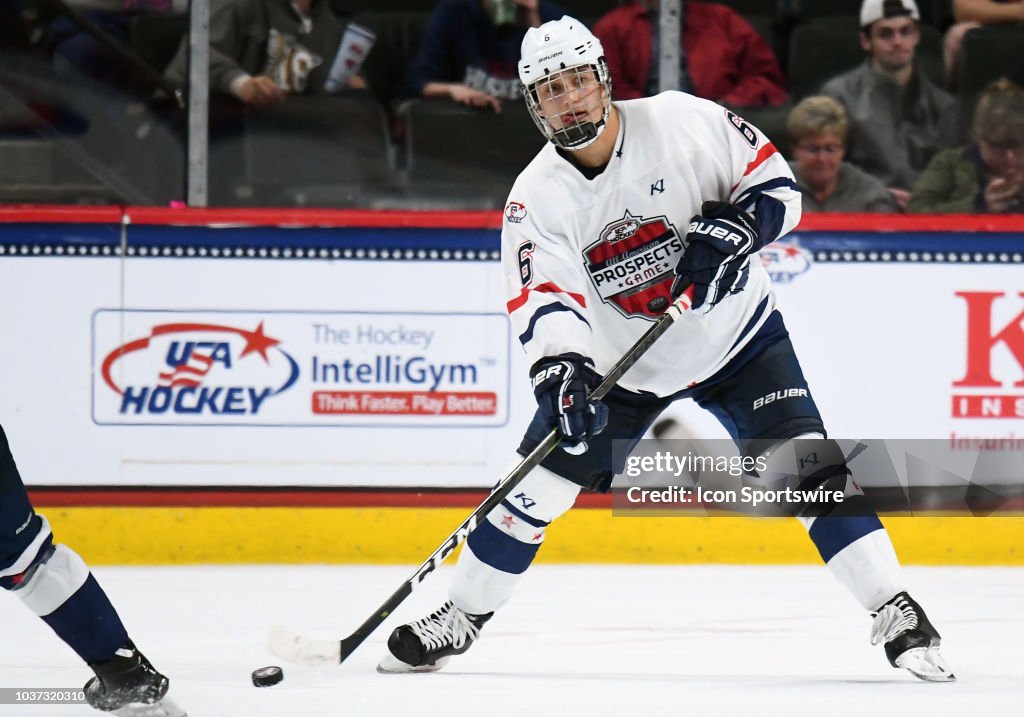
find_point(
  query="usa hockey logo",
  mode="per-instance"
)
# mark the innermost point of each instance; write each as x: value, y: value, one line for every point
x: 198, y: 370
x: 515, y: 212
x: 785, y: 261
x: 633, y: 262
x: 622, y: 229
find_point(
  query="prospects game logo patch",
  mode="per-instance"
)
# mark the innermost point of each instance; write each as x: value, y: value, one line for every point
x: 197, y: 370
x: 633, y: 262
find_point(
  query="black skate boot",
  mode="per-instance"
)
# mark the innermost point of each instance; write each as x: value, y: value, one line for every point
x: 129, y: 685
x: 911, y: 642
x: 426, y: 645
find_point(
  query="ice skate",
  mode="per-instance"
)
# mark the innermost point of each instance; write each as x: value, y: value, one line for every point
x: 911, y: 642
x: 129, y: 686
x: 426, y: 644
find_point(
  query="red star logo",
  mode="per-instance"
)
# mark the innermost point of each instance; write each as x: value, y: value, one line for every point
x: 258, y: 342
x: 792, y: 251
x: 507, y: 521
x: 537, y: 537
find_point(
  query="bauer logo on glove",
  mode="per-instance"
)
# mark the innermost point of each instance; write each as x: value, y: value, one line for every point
x: 562, y: 386
x: 719, y: 243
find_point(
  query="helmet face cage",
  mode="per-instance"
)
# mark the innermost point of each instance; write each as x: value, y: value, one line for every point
x: 547, y: 99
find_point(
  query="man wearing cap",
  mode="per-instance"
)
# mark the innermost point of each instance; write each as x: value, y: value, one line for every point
x: 899, y: 118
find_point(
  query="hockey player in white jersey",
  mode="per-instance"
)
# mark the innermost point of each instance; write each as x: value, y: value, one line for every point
x: 627, y: 204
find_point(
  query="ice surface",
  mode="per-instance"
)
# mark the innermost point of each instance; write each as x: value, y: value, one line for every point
x: 574, y: 640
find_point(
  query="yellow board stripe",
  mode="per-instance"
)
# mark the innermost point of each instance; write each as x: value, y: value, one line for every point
x: 154, y: 536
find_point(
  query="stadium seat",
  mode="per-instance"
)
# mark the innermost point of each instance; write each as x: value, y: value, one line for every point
x: 937, y: 12
x: 155, y: 37
x: 746, y: 8
x: 987, y: 54
x: 765, y: 26
x: 398, y: 35
x: 306, y: 151
x: 807, y: 10
x: 464, y: 158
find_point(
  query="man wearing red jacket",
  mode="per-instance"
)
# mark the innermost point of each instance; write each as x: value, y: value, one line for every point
x: 723, y: 58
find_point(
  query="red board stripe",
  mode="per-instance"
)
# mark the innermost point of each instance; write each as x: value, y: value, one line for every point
x: 456, y: 220
x: 182, y: 497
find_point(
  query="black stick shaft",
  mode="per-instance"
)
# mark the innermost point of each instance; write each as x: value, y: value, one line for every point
x: 507, y: 484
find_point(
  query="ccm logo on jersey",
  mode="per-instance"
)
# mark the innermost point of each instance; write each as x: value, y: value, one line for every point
x: 717, y: 231
x: 515, y: 212
x: 779, y: 395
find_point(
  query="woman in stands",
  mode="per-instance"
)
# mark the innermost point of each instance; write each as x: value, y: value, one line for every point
x: 986, y: 176
x: 818, y: 128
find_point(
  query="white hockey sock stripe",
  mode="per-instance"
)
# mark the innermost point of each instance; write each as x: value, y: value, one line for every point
x: 54, y: 582
x: 516, y: 526
x: 869, y: 569
x: 477, y: 588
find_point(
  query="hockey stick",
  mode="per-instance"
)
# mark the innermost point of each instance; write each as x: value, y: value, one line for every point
x: 293, y: 647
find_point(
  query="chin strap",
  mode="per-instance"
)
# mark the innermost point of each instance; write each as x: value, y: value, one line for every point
x: 579, y: 135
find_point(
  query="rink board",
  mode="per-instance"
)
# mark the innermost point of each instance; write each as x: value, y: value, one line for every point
x: 147, y: 536
x: 369, y: 349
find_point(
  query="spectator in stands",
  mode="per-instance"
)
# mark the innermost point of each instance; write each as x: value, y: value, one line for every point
x: 817, y: 129
x: 970, y: 14
x: 263, y: 50
x: 898, y: 117
x: 987, y: 175
x: 469, y: 50
x: 722, y: 58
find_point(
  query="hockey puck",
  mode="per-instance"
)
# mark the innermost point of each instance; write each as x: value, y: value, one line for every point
x: 267, y: 676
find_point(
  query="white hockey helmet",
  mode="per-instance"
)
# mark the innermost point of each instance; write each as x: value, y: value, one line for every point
x: 565, y: 50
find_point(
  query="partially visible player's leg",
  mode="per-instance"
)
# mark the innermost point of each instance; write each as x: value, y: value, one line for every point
x: 849, y: 536
x: 500, y: 549
x: 56, y: 584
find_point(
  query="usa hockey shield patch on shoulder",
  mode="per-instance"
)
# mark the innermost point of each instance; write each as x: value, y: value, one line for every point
x: 632, y: 264
x: 515, y: 212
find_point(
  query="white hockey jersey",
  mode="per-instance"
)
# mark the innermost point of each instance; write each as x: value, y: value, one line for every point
x: 588, y: 262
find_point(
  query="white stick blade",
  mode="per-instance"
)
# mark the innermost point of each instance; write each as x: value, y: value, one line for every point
x: 292, y: 647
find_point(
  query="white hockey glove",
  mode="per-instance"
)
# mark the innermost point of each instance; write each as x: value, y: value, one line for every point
x: 562, y: 385
x: 719, y: 242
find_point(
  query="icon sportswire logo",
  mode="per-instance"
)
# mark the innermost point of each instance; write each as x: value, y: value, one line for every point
x: 193, y: 369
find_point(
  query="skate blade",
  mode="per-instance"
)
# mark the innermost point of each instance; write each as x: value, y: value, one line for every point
x: 926, y: 663
x: 391, y: 665
x: 163, y: 708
